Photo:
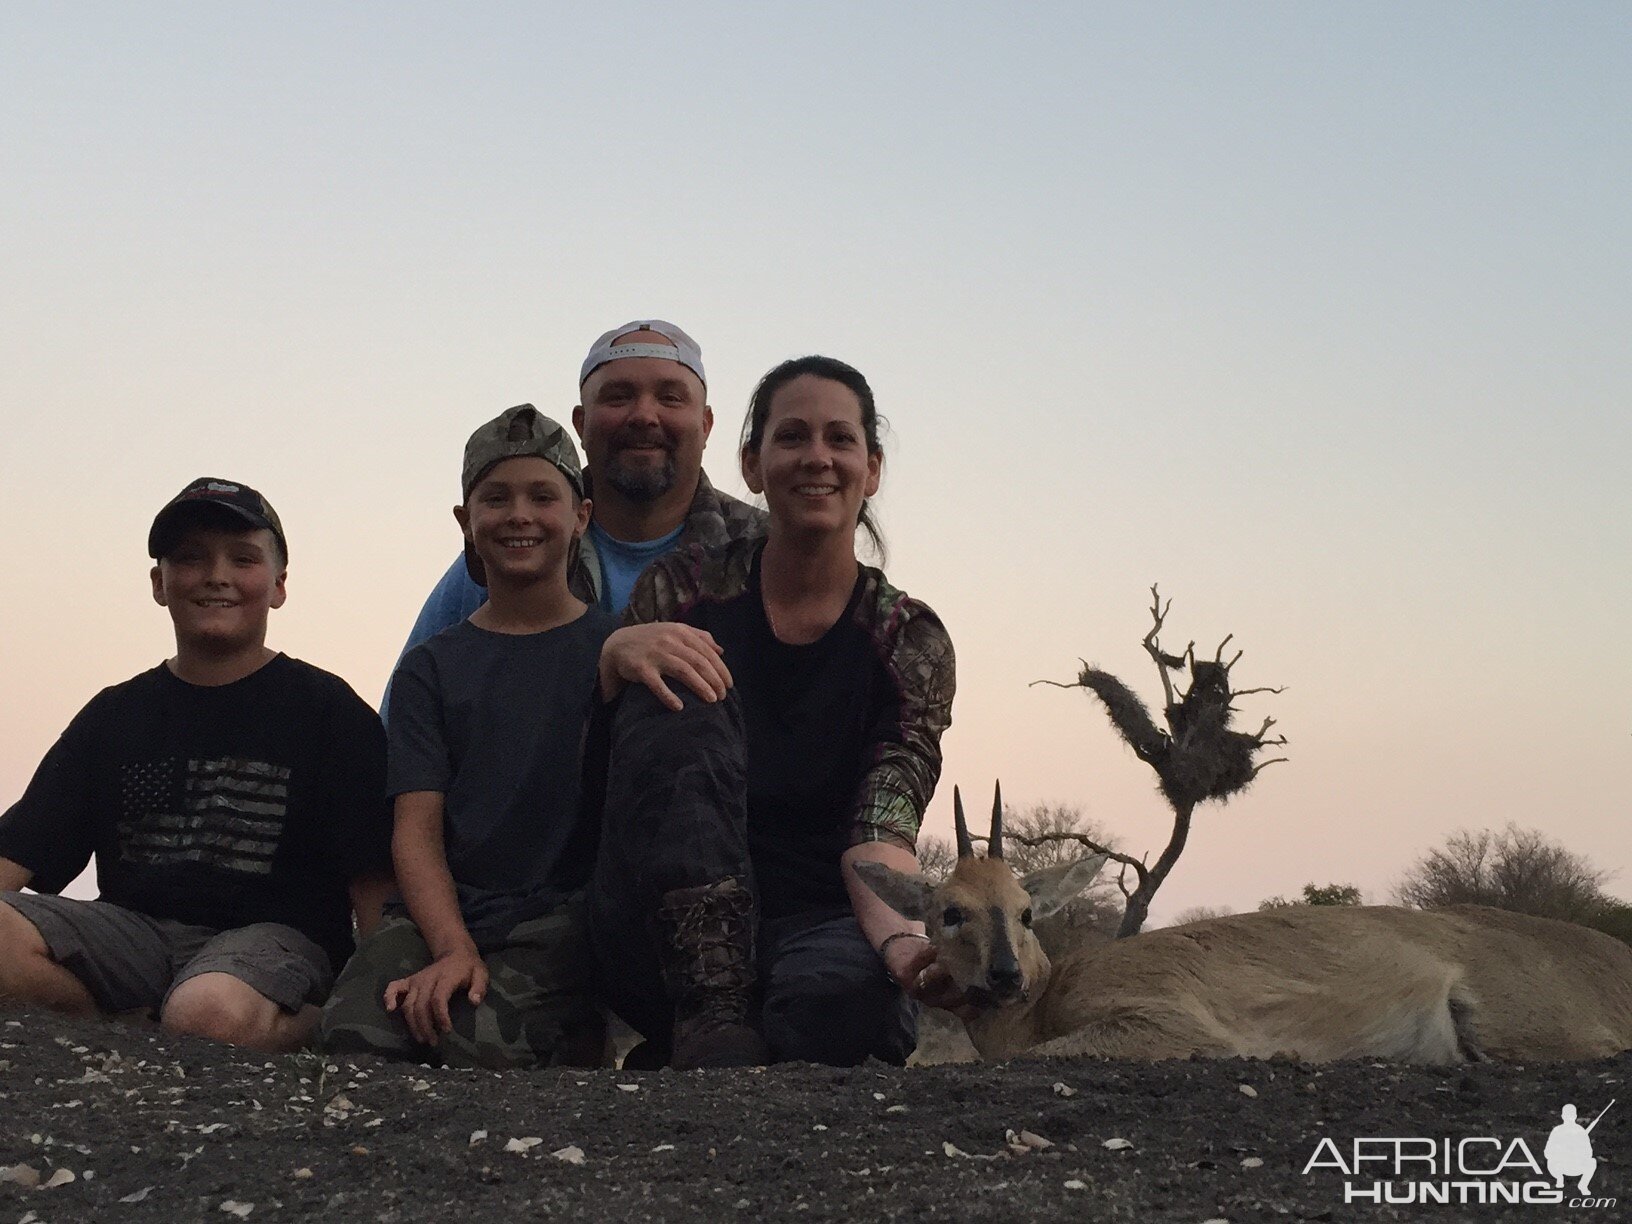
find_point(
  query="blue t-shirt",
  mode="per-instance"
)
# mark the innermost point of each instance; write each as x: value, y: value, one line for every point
x: 623, y: 563
x: 455, y: 596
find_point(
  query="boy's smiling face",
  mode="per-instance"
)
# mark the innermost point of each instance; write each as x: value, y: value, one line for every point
x: 219, y: 584
x: 521, y: 518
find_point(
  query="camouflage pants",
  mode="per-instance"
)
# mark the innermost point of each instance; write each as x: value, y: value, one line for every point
x: 538, y: 1010
x: 676, y: 816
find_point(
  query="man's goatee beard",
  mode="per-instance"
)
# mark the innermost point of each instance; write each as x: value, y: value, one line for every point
x: 642, y: 485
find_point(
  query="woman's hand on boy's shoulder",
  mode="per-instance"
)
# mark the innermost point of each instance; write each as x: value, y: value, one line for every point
x: 646, y: 654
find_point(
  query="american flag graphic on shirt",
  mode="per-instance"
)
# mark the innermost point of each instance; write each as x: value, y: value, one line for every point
x: 224, y: 812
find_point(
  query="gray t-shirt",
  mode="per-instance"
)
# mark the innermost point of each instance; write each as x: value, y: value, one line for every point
x: 496, y: 723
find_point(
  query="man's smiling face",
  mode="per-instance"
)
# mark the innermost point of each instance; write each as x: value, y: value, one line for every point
x: 643, y: 422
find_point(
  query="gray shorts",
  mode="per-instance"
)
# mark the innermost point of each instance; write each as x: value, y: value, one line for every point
x: 130, y: 962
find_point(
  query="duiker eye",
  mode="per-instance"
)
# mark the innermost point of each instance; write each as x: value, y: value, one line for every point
x: 952, y: 917
x: 1025, y: 917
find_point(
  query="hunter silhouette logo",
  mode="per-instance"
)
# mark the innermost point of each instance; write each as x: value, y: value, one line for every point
x: 1569, y: 1149
x: 1473, y: 1169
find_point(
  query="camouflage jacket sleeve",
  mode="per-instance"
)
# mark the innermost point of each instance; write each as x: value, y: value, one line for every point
x: 659, y: 592
x: 674, y: 584
x: 917, y: 655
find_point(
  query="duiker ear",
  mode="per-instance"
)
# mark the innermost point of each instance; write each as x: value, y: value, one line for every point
x: 1052, y: 887
x: 907, y: 895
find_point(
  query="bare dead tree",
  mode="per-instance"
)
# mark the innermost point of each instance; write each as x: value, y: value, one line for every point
x: 1046, y: 835
x: 1199, y: 757
x: 936, y: 858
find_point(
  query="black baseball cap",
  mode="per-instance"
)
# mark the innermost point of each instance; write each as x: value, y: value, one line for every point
x: 242, y: 500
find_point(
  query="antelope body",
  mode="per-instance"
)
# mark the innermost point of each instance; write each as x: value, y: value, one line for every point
x: 1314, y: 983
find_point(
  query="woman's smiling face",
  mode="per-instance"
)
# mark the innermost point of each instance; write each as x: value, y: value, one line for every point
x: 813, y: 465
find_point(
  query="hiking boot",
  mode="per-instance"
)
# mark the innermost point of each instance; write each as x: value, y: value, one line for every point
x: 708, y: 967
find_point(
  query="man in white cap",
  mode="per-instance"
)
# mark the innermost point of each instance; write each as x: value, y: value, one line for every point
x: 643, y: 418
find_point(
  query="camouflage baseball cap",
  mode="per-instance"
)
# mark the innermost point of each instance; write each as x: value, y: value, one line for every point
x: 522, y: 430
x: 243, y: 501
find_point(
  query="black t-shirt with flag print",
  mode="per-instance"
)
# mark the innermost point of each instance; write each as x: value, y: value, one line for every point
x: 256, y: 801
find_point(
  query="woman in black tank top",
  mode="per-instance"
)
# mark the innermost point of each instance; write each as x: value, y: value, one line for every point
x: 812, y: 698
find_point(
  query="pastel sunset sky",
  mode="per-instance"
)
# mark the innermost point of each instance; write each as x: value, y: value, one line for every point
x: 1317, y: 315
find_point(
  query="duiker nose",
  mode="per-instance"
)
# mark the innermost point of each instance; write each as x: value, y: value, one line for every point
x: 1003, y: 978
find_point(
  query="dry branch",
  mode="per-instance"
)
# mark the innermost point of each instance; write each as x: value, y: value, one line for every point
x: 1200, y: 756
x: 1082, y: 839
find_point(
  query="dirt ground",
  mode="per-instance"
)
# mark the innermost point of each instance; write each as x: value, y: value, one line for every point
x: 153, y: 1128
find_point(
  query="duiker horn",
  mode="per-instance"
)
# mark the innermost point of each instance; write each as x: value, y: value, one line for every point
x: 966, y: 848
x: 994, y: 848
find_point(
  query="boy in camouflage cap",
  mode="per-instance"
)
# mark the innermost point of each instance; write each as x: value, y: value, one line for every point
x: 642, y: 418
x: 485, y: 961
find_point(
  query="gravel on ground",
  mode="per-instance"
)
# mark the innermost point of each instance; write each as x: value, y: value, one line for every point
x: 108, y: 1122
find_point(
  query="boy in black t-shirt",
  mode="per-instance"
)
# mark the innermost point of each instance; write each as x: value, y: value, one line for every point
x: 494, y: 835
x: 231, y: 797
